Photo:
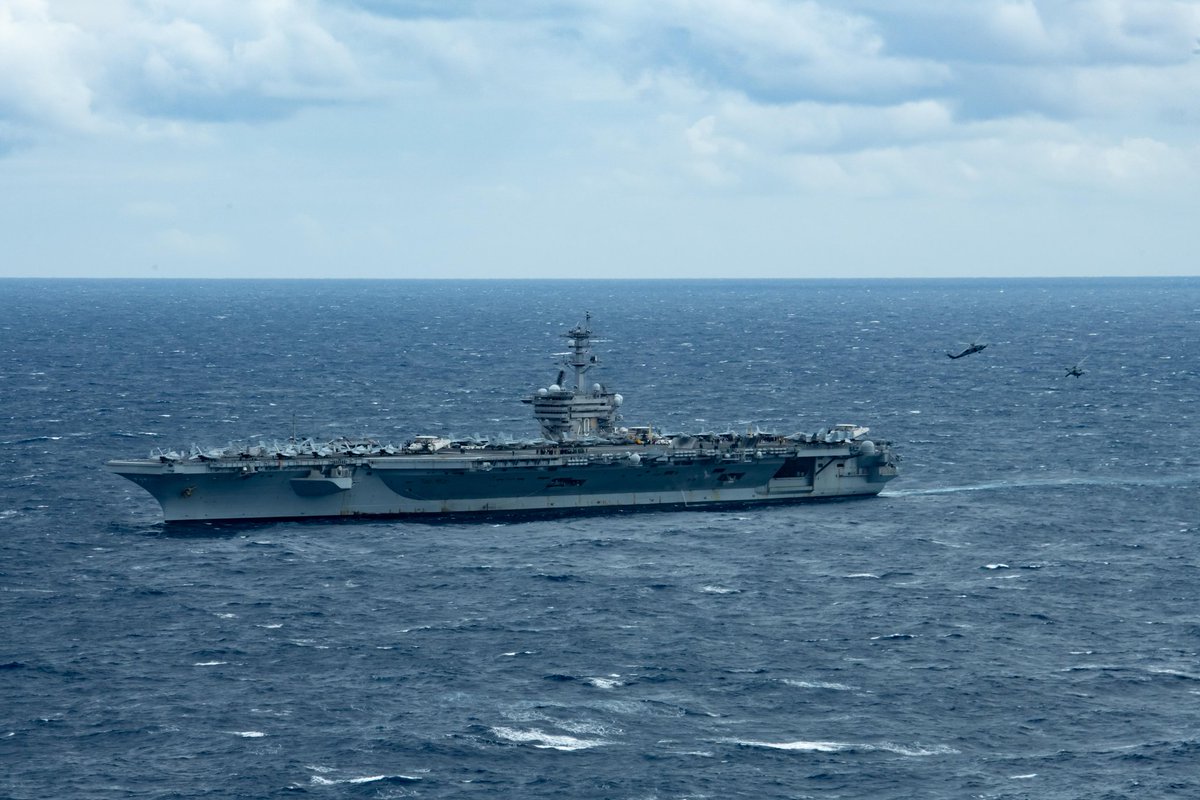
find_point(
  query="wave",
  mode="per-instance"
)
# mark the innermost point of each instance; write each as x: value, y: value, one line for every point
x: 543, y: 740
x: 605, y: 683
x: 1174, y: 673
x: 914, y: 751
x: 317, y: 780
x: 837, y: 687
x: 1169, y: 672
x: 31, y: 440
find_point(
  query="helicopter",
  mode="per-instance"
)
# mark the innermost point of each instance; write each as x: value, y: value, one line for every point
x: 974, y: 347
x: 1075, y: 371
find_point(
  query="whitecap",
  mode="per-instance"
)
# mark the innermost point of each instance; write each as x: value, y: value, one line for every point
x: 1022, y: 777
x: 995, y: 566
x: 814, y: 747
x: 249, y: 734
x: 837, y: 747
x: 545, y: 740
x: 1177, y: 673
x: 605, y: 683
x: 719, y: 590
x: 591, y: 727
x: 270, y: 626
x: 862, y: 575
x: 837, y: 687
x: 209, y: 663
x: 319, y: 781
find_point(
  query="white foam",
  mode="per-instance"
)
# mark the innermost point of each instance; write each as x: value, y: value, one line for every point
x: 1044, y: 483
x: 719, y: 590
x: 590, y: 727
x: 995, y: 566
x: 1178, y: 673
x: 209, y: 663
x: 862, y: 575
x: 813, y: 747
x: 839, y: 687
x: 544, y: 740
x: 308, y: 643
x: 1022, y: 777
x: 838, y: 747
x: 605, y: 683
x: 319, y: 781
x: 249, y: 734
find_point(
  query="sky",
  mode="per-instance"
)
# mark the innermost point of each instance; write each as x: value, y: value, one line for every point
x: 599, y: 138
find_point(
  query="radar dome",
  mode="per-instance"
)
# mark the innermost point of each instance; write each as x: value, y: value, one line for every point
x: 543, y: 392
x: 597, y: 388
x: 555, y: 388
x: 868, y: 448
x: 617, y: 399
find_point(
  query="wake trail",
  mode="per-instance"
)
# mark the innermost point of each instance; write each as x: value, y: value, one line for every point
x: 1048, y: 483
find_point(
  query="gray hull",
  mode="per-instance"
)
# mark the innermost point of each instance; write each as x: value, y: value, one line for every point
x: 585, y: 461
x: 504, y: 481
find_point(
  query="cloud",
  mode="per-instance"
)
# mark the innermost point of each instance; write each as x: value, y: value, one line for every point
x: 1015, y: 57
x: 76, y: 67
x: 913, y: 149
x: 772, y: 51
x: 43, y: 64
x: 867, y: 96
x: 1047, y: 32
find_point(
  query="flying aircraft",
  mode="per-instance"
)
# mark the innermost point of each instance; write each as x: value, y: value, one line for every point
x: 1075, y: 371
x: 972, y: 348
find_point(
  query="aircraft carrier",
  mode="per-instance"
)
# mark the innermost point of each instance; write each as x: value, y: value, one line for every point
x: 584, y: 460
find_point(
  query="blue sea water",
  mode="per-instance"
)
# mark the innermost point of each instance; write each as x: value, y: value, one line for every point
x: 1017, y: 616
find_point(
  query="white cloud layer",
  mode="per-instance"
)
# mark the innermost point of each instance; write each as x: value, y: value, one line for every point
x: 940, y: 101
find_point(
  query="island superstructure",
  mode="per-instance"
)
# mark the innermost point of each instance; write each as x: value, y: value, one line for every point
x: 584, y: 460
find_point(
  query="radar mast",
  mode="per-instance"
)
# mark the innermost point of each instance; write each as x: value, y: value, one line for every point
x: 582, y: 411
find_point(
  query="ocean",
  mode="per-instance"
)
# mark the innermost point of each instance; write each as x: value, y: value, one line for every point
x: 1016, y: 616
